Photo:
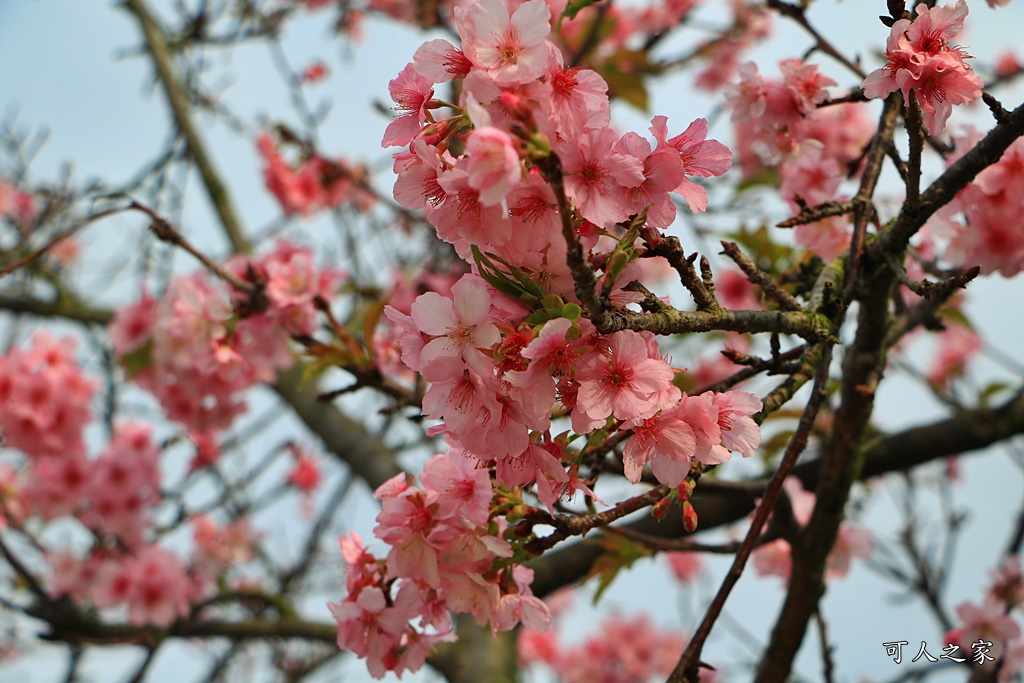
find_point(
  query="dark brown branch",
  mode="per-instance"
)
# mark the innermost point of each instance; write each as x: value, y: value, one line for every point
x: 916, y: 132
x: 809, y: 326
x: 939, y: 291
x: 945, y: 187
x: 773, y: 366
x: 999, y: 113
x: 687, y: 667
x: 716, y: 505
x: 816, y: 213
x: 113, y: 634
x: 573, y: 525
x: 881, y: 141
x: 165, y: 232
x: 852, y: 96
x: 672, y: 251
x: 827, y: 666
x: 56, y: 239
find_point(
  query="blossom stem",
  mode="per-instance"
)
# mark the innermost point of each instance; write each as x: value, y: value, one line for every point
x: 566, y: 525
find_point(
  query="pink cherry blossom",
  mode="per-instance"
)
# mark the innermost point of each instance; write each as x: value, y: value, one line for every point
x: 494, y: 168
x: 919, y: 58
x: 1008, y: 582
x: 220, y: 548
x: 686, y: 566
x: 701, y: 157
x: 622, y: 382
x: 957, y: 346
x: 667, y: 436
x: 44, y: 398
x: 663, y: 172
x: 851, y: 542
x: 989, y: 622
x: 411, y: 92
x: 597, y: 178
x: 460, y: 325
x: 158, y: 588
x: 511, y: 48
x: 464, y: 488
x: 574, y: 98
x: 440, y: 61
x: 738, y: 430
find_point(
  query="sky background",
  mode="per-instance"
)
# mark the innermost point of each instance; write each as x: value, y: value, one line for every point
x: 69, y: 68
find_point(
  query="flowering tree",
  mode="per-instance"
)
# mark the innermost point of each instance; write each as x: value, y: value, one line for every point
x: 529, y: 337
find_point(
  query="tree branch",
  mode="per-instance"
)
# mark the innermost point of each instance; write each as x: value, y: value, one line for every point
x: 181, y: 108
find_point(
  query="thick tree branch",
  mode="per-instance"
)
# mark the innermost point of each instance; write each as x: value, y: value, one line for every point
x: 944, y: 188
x: 181, y: 108
x: 717, y: 505
x: 810, y: 326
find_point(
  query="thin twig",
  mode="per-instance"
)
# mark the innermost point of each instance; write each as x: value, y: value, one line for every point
x: 686, y: 669
x: 62, y: 235
x: 165, y: 232
x: 784, y: 299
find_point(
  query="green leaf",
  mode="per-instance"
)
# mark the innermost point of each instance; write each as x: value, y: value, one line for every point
x: 138, y: 360
x: 624, y: 72
x: 371, y: 317
x: 509, y: 280
x: 956, y: 316
x: 572, y: 312
x: 573, y: 7
x: 774, y: 445
x: 990, y: 391
x: 620, y: 553
x: 538, y: 318
x: 760, y: 247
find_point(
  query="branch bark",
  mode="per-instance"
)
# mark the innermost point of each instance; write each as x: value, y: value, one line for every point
x: 181, y: 109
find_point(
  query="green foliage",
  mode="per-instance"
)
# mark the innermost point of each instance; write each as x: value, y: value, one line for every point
x: 573, y: 7
x: 624, y: 72
x: 507, y: 279
x: 138, y: 360
x: 760, y: 246
x: 620, y: 553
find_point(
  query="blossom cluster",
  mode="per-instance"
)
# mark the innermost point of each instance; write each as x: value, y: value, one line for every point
x: 194, y: 351
x: 44, y: 398
x: 622, y: 651
x: 624, y: 28
x: 493, y: 377
x: 921, y: 60
x: 507, y: 350
x: 155, y: 584
x: 44, y: 410
x: 445, y: 555
x: 989, y: 234
x: 15, y: 203
x: 315, y: 183
x: 779, y: 124
x: 993, y: 623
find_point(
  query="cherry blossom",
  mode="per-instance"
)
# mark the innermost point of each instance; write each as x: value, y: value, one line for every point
x: 411, y: 92
x: 920, y: 59
x: 510, y: 47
